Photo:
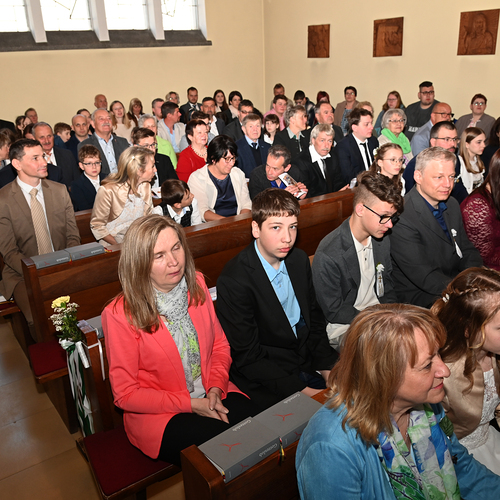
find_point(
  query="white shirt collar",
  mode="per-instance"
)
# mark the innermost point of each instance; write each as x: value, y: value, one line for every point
x: 315, y: 156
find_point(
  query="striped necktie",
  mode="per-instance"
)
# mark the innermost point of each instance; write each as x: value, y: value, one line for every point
x: 40, y: 224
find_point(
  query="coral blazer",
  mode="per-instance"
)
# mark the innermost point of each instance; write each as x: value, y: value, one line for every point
x: 146, y: 372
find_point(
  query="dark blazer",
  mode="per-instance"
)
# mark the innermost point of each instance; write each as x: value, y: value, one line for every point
x: 258, y: 179
x: 312, y: 177
x: 339, y: 133
x: 119, y: 146
x: 267, y: 356
x: 246, y: 158
x: 283, y: 138
x: 459, y: 192
x: 220, y: 124
x: 9, y: 173
x: 164, y: 168
x: 66, y: 162
x: 233, y: 130
x: 6, y: 124
x: 186, y: 112
x: 18, y: 238
x: 83, y: 192
x: 337, y: 276
x: 72, y: 145
x: 424, y: 259
x: 351, y: 161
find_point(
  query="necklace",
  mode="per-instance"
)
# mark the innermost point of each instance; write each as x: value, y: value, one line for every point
x: 200, y: 155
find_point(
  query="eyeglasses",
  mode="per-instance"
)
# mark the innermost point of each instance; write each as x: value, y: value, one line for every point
x: 95, y: 164
x: 396, y: 121
x: 395, y: 161
x: 448, y: 139
x: 478, y: 103
x: 384, y: 219
x: 229, y: 159
x: 428, y: 92
x: 451, y: 115
x: 149, y: 146
x: 350, y: 93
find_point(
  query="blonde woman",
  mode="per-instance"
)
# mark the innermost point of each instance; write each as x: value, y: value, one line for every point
x: 122, y: 125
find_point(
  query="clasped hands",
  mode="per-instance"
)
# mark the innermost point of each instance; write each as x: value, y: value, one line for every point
x: 211, y: 405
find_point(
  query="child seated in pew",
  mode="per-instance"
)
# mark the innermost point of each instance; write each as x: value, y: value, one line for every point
x: 84, y: 189
x: 62, y: 134
x: 179, y: 203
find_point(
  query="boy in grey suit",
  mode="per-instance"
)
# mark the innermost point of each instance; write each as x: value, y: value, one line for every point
x: 352, y: 266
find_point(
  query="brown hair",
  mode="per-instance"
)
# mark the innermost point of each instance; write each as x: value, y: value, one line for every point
x: 131, y: 161
x: 134, y: 270
x: 379, y: 345
x: 381, y: 152
x: 173, y: 190
x: 61, y: 127
x: 274, y: 202
x: 385, y: 107
x: 126, y: 119
x: 466, y: 305
x: 139, y: 133
x: 468, y: 135
x: 372, y: 185
x: 88, y: 151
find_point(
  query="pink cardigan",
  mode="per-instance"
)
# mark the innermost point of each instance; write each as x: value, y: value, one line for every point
x: 146, y: 372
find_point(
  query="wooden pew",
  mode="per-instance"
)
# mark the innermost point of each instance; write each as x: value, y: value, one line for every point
x: 270, y: 478
x: 83, y: 223
x: 92, y: 282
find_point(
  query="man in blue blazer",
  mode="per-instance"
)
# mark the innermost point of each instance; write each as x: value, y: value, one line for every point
x: 252, y: 150
x: 356, y: 149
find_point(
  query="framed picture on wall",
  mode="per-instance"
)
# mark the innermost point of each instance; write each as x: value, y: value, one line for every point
x: 478, y: 32
x: 318, y: 41
x: 388, y: 37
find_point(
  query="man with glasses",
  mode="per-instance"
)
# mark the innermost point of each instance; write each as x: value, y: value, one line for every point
x: 478, y: 117
x: 146, y: 138
x: 429, y: 246
x: 440, y: 113
x: 234, y: 129
x: 419, y: 112
x: 352, y: 266
x: 443, y: 135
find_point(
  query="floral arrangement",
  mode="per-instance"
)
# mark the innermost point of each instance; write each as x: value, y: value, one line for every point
x: 65, y: 320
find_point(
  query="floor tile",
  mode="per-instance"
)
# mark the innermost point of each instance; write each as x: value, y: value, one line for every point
x: 63, y: 477
x: 8, y: 341
x: 23, y: 400
x: 13, y: 366
x: 32, y: 440
x: 170, y: 489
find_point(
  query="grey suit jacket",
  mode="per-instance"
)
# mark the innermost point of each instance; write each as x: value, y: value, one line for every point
x: 18, y: 239
x: 336, y: 274
x: 424, y: 258
x: 119, y: 146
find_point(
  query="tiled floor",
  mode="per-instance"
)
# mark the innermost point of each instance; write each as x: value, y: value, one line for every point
x: 38, y: 456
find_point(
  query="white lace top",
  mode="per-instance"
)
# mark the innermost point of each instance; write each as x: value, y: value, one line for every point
x: 490, y: 402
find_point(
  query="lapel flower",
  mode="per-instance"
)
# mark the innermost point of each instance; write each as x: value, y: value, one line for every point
x: 380, y: 267
x: 453, y: 233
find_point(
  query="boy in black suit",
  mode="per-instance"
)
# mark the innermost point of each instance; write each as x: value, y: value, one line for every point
x: 267, y: 307
x: 84, y: 188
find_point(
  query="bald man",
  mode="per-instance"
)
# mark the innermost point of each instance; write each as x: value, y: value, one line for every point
x: 100, y: 101
x: 440, y: 113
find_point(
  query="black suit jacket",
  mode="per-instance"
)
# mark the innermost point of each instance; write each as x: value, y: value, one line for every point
x: 267, y: 356
x: 66, y: 162
x: 186, y: 112
x: 233, y: 130
x: 424, y: 259
x: 6, y: 124
x: 351, y: 161
x: 119, y: 146
x: 220, y: 124
x: 164, y: 168
x: 72, y: 145
x: 283, y: 138
x: 339, y: 133
x: 83, y: 192
x: 246, y: 159
x: 311, y: 176
x: 9, y: 173
x: 258, y: 179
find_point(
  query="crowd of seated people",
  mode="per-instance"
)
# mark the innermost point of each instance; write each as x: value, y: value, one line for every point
x: 414, y: 174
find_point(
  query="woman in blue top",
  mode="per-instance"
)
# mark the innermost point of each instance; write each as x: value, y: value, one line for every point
x: 383, y: 434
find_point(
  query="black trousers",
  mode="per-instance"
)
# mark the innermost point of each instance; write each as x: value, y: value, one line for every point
x: 186, y: 429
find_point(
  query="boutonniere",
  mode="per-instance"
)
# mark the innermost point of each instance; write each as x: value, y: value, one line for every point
x: 380, y: 282
x: 457, y: 248
x: 375, y: 151
x: 453, y: 233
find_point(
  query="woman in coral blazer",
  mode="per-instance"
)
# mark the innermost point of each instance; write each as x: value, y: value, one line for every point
x: 168, y: 357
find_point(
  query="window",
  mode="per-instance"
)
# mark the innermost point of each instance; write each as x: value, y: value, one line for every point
x: 126, y: 14
x: 13, y: 16
x: 179, y: 14
x: 65, y: 15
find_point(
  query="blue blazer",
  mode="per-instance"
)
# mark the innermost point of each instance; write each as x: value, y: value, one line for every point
x: 83, y: 192
x: 351, y: 161
x: 246, y: 159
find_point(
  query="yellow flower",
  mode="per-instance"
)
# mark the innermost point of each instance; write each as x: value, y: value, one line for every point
x: 60, y: 301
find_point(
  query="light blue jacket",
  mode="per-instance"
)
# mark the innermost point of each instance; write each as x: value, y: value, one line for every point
x: 335, y: 464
